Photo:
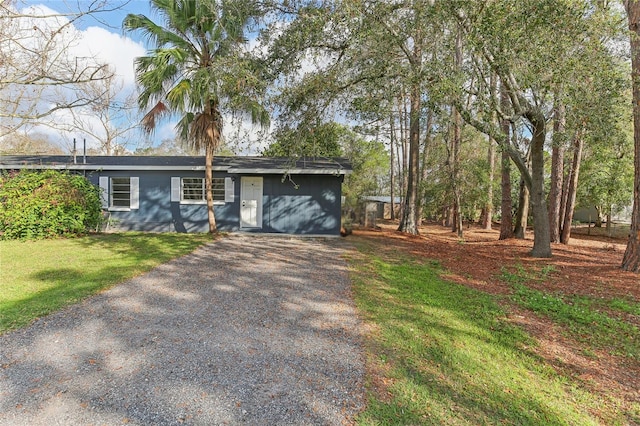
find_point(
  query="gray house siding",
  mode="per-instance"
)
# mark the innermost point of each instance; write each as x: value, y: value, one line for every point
x: 152, y: 199
x: 312, y: 208
x: 156, y: 211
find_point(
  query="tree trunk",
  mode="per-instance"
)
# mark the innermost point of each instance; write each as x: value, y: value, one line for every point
x: 565, y: 191
x: 488, y: 208
x: 454, y: 153
x: 425, y: 156
x: 487, y: 214
x: 522, y: 213
x: 506, y: 223
x: 578, y: 144
x: 456, y: 142
x: 631, y: 259
x: 391, y: 170
x: 403, y: 148
x: 400, y: 159
x: 410, y: 219
x: 541, y: 236
x: 557, y: 175
x: 208, y: 182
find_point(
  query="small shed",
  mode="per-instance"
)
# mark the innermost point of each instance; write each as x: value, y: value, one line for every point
x: 380, y: 206
x: 251, y: 194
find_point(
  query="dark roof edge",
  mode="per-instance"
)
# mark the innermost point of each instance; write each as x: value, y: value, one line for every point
x: 239, y: 165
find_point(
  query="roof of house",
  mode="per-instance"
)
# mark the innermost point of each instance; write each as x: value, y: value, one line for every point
x: 239, y: 165
x: 382, y: 199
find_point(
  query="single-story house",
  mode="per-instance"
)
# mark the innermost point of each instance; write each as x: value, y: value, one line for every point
x: 251, y: 194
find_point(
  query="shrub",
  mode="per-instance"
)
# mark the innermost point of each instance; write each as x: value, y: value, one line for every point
x: 35, y: 205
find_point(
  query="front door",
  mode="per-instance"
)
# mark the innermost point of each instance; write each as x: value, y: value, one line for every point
x: 251, y: 202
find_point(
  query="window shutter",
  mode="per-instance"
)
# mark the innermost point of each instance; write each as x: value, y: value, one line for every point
x: 175, y: 189
x: 228, y: 190
x: 104, y: 191
x: 134, y: 183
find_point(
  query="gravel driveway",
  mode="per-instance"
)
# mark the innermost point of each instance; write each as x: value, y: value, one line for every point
x: 246, y: 330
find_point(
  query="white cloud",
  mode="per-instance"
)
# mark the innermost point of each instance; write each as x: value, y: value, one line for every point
x: 94, y: 42
x: 82, y: 48
x: 115, y: 49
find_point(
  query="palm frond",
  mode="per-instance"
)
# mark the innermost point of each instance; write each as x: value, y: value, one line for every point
x: 182, y: 129
x: 206, y: 129
x: 155, y: 34
x: 179, y: 95
x: 198, y: 66
x: 151, y: 118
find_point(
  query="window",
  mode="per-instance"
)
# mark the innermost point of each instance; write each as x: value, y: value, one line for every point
x: 193, y: 190
x: 120, y: 193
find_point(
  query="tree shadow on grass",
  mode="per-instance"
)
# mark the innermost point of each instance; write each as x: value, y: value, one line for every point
x: 241, y: 332
x: 63, y: 287
x: 450, y: 356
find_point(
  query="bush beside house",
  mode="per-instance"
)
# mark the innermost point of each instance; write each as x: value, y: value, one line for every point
x: 35, y: 205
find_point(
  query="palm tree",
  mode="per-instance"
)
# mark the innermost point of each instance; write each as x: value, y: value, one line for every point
x: 197, y: 69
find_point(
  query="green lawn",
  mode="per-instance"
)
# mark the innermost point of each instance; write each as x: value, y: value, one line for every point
x: 597, y: 323
x: 443, y: 353
x: 437, y: 353
x: 39, y: 277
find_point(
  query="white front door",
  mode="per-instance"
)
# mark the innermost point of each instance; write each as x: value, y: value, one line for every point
x: 251, y: 202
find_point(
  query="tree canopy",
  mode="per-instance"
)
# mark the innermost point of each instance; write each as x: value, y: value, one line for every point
x: 197, y: 69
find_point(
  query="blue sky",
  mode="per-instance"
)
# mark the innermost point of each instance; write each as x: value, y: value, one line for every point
x: 101, y: 37
x: 112, y: 19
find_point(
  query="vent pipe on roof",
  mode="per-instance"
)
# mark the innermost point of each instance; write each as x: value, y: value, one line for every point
x: 74, y: 150
x: 84, y: 159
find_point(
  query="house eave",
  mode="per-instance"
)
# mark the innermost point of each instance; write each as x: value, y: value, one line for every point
x: 232, y: 165
x: 231, y: 170
x: 288, y: 171
x: 107, y: 167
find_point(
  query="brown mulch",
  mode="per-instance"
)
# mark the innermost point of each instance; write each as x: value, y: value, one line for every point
x: 588, y: 266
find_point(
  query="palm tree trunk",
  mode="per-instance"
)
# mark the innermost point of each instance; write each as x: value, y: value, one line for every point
x: 208, y: 182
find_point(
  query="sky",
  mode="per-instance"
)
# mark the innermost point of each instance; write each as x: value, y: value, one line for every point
x: 101, y: 36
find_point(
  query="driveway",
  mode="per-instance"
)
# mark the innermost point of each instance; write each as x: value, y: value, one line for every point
x: 246, y: 330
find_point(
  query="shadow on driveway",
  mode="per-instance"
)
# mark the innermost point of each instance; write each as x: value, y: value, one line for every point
x: 246, y: 330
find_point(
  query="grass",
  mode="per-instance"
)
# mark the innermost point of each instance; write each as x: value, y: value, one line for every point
x: 595, y: 323
x: 39, y: 277
x: 442, y: 353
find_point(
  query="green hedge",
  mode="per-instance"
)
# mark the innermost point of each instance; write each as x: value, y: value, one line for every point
x: 36, y: 205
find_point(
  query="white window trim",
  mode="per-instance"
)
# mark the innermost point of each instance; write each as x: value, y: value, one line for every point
x: 106, y: 195
x: 229, y: 190
x: 202, y: 202
x: 177, y: 192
